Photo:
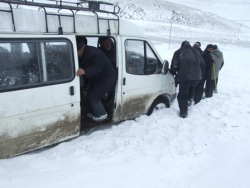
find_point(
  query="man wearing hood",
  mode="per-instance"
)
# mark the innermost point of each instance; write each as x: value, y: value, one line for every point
x: 217, y: 56
x: 188, y: 66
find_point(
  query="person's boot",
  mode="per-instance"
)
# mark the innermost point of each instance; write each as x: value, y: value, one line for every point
x: 100, y: 118
x: 183, y: 114
x: 97, y: 118
x: 190, y: 102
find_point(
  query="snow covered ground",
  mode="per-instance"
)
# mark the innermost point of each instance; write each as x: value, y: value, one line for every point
x: 209, y: 149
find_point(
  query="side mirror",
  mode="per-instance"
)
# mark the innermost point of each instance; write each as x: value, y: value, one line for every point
x: 164, y: 70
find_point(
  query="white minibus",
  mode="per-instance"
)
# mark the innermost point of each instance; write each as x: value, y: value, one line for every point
x: 42, y: 101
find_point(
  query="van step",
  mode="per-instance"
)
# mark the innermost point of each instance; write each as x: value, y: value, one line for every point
x: 91, y: 126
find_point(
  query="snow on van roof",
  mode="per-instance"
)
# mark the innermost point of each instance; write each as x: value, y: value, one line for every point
x: 64, y: 18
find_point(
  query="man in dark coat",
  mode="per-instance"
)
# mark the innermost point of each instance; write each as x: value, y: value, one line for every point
x: 206, y: 55
x: 189, y: 66
x: 108, y: 50
x: 96, y: 67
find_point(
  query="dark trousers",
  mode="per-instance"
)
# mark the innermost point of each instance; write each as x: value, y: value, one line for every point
x: 199, y: 89
x: 209, y: 90
x: 97, y: 107
x: 186, y: 92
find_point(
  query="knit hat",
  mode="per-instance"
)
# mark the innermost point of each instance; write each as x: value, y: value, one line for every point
x: 199, y: 43
x: 185, y: 43
x: 210, y: 46
x: 196, y: 45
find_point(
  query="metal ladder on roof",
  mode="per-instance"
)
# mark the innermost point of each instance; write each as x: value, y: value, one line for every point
x: 75, y: 6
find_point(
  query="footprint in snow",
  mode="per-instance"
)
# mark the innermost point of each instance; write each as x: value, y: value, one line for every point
x: 215, y: 113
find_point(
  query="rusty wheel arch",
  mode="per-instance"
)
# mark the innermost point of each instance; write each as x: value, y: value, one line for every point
x: 160, y: 99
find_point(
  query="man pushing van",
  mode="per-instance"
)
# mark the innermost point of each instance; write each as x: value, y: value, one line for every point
x: 98, y: 70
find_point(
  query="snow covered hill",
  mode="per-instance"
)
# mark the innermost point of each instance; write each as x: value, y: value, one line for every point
x: 164, y: 11
x: 191, y: 12
x: 194, y: 18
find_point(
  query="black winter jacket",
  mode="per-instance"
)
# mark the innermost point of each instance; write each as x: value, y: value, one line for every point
x: 111, y: 54
x: 188, y: 64
x: 206, y: 55
x: 99, y: 72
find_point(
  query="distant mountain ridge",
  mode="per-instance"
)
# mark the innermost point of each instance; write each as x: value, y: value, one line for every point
x: 164, y: 11
x: 187, y: 22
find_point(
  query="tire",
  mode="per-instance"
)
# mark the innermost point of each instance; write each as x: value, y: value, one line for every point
x: 158, y: 104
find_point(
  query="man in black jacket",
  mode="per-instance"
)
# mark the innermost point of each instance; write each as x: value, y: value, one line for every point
x: 188, y: 65
x: 206, y: 55
x: 98, y: 70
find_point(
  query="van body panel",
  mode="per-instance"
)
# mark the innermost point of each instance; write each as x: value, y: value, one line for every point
x: 130, y: 29
x: 35, y: 99
x: 168, y: 85
x: 36, y: 116
x: 29, y: 131
x: 168, y: 82
x: 138, y: 91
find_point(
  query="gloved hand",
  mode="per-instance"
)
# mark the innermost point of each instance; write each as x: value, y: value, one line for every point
x: 172, y: 72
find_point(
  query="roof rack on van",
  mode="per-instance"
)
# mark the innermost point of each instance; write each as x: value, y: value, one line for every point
x: 97, y: 8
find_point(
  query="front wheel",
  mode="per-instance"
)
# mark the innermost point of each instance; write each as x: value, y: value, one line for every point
x: 158, y: 104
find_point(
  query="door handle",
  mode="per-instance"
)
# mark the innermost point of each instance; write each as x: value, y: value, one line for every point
x: 71, y: 90
x: 124, y: 81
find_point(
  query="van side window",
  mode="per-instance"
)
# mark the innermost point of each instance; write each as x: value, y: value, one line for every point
x: 34, y: 63
x: 58, y: 63
x: 140, y: 58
